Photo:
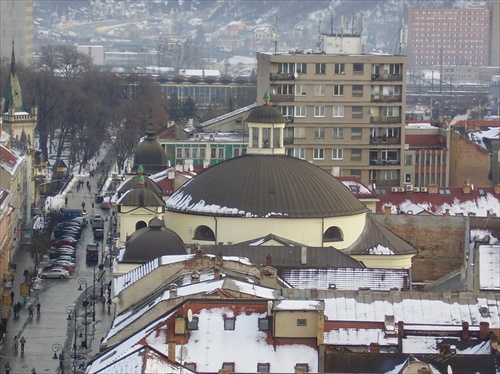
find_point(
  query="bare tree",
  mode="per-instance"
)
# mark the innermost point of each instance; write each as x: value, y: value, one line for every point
x: 64, y: 61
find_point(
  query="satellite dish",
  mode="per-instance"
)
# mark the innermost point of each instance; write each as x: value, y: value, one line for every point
x: 449, y: 370
x: 190, y: 315
x: 295, y: 75
x: 183, y: 353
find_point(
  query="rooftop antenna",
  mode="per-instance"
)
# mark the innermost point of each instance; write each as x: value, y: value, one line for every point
x: 403, y: 36
x: 331, y: 21
x: 318, y: 43
x: 274, y: 35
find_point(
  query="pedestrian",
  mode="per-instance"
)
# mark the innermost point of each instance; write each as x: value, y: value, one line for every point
x: 23, y: 342
x: 92, y: 205
x: 109, y: 305
x: 83, y: 205
x: 26, y: 273
x: 16, y: 310
x: 66, y: 201
x: 30, y: 311
x: 12, y: 294
x: 16, y: 343
x: 7, y: 368
x: 18, y: 304
x: 90, y: 188
x: 38, y: 306
x: 78, y: 187
x: 33, y: 371
x: 103, y: 299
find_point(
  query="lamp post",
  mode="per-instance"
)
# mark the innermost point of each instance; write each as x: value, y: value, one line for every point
x: 85, y: 304
x: 58, y: 348
x: 93, y: 296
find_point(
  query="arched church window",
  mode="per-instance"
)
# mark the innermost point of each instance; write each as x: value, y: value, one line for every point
x: 204, y: 233
x: 333, y: 234
x: 140, y: 225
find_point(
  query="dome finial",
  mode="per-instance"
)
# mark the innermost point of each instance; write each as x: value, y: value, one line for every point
x: 140, y: 170
x: 266, y: 98
x: 141, y: 181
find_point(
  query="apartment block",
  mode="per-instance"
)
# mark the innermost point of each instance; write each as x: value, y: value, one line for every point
x: 16, y: 26
x: 448, y: 36
x: 344, y: 108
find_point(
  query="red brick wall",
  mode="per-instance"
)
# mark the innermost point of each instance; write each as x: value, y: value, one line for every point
x: 468, y: 162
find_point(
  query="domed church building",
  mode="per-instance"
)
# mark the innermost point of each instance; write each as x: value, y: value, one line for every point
x: 150, y: 154
x: 267, y: 192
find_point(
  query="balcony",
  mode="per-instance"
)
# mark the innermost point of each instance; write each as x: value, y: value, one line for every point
x: 385, y: 162
x: 378, y: 119
x: 282, y: 98
x: 281, y: 77
x: 386, y: 98
x: 387, y: 77
x: 384, y: 140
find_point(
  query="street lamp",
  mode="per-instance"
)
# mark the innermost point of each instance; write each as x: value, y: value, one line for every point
x: 58, y: 348
x: 85, y: 304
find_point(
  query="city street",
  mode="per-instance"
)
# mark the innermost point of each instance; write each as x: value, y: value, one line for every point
x: 53, y: 334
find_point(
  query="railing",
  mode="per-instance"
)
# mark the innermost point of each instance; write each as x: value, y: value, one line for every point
x: 275, y: 98
x: 385, y: 98
x: 387, y: 77
x: 384, y: 140
x: 385, y: 162
x: 281, y: 77
x: 379, y: 119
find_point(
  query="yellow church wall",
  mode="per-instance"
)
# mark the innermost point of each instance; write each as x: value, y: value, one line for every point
x: 129, y: 216
x: 385, y: 261
x: 235, y: 230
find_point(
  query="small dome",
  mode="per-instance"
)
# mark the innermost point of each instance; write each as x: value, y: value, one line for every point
x: 265, y: 114
x: 133, y: 183
x: 152, y: 242
x: 150, y: 154
x: 141, y: 197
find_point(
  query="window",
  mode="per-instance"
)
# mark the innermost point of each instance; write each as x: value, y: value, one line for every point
x: 203, y: 152
x: 220, y: 153
x: 286, y: 67
x: 407, y: 178
x: 389, y: 155
x: 338, y: 90
x: 339, y: 69
x: 300, y: 90
x: 193, y: 324
x: 357, y: 90
x: 264, y: 324
x: 337, y: 154
x: 338, y: 111
x: 237, y: 152
x: 297, y: 152
x: 287, y: 111
x: 355, y: 173
x: 319, y: 132
x: 357, y: 68
x: 213, y: 153
x: 179, y: 152
x: 301, y: 322
x: 285, y: 89
x: 300, y: 111
x: 301, y: 68
x: 263, y: 368
x: 408, y: 159
x: 390, y: 111
x: 338, y: 132
x: 299, y: 132
x: 389, y: 174
x: 229, y: 366
x: 332, y: 234
x: 229, y: 323
x: 318, y: 154
x: 320, y: 68
x: 194, y: 152
x: 204, y: 233
x: 319, y: 111
x: 319, y: 90
x: 356, y: 132
x: 187, y: 152
x: 356, y: 154
x: 357, y: 112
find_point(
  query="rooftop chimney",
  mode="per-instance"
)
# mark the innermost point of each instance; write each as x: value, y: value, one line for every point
x: 496, y: 189
x: 465, y: 330
x: 466, y: 189
x: 484, y: 330
x: 433, y: 189
x: 374, y: 348
x: 387, y: 210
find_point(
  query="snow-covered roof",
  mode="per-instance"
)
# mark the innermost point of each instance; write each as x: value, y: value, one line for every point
x: 10, y: 160
x: 489, y: 267
x: 419, y: 308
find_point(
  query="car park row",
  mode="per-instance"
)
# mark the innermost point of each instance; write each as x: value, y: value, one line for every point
x: 62, y: 253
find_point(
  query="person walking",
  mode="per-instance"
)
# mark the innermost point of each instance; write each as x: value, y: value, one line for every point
x: 38, y: 306
x: 66, y: 201
x: 7, y: 368
x: 83, y: 205
x: 12, y: 294
x: 16, y: 343
x: 30, y: 311
x: 23, y: 342
x: 26, y: 274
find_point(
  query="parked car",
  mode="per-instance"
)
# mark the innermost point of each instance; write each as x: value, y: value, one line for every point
x: 61, y: 255
x: 59, y: 243
x: 66, y: 258
x: 54, y: 273
x: 98, y: 234
x: 69, y: 269
x: 71, y: 264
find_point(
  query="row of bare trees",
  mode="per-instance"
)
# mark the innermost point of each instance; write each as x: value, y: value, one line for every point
x: 81, y: 107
